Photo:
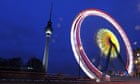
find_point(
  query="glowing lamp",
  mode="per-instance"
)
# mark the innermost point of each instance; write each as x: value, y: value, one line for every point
x: 138, y: 54
x: 136, y: 61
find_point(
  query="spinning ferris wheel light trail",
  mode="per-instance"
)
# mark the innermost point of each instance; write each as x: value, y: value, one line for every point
x: 103, y: 37
x: 90, y: 70
x: 109, y: 46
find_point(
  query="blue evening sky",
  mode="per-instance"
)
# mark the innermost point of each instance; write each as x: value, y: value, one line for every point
x: 22, y: 24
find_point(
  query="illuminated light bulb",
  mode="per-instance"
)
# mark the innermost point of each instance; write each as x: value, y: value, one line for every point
x: 136, y: 61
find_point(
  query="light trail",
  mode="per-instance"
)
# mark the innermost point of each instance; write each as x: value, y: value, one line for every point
x: 86, y: 65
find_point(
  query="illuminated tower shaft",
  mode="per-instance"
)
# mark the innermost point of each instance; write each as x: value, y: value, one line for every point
x: 46, y: 53
x: 48, y: 32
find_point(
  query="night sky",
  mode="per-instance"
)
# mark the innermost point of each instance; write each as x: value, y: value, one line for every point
x: 22, y: 24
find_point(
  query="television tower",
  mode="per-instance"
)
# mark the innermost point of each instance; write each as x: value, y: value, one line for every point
x: 48, y: 32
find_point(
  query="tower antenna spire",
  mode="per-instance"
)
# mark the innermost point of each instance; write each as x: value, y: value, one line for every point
x: 51, y: 10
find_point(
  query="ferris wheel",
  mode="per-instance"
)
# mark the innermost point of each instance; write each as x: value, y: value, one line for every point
x: 107, y: 42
